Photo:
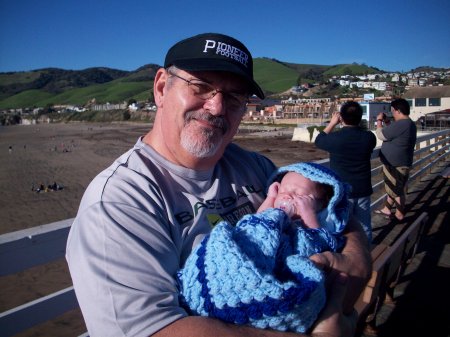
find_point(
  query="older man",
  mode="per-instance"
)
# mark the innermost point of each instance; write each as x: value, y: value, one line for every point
x: 141, y: 217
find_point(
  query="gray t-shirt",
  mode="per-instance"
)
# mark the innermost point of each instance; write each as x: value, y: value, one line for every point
x: 398, y: 148
x: 139, y: 220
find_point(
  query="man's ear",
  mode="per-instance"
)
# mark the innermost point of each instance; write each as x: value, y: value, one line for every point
x: 158, y: 86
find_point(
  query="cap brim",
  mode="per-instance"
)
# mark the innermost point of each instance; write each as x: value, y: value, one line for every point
x: 208, y: 64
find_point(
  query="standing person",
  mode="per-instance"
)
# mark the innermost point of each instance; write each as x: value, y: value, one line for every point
x: 397, y: 153
x: 140, y: 218
x: 350, y: 151
x: 259, y: 272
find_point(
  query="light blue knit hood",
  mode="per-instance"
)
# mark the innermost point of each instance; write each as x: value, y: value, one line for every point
x: 336, y: 215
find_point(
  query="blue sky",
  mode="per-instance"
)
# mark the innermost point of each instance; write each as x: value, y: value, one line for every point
x: 395, y: 35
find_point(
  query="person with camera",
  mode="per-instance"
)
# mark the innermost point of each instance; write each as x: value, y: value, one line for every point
x: 350, y: 151
x: 397, y: 152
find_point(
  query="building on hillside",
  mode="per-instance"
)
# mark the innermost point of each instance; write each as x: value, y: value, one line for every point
x: 109, y: 106
x: 254, y: 105
x: 424, y: 100
x: 307, y: 108
x: 274, y: 111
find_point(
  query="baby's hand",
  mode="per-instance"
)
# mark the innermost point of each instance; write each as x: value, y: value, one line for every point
x: 306, y: 208
x: 272, y: 193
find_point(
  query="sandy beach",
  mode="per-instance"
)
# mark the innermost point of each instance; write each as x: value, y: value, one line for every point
x: 72, y: 155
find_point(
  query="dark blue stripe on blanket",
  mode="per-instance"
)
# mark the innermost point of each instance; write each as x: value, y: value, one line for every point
x: 255, y: 309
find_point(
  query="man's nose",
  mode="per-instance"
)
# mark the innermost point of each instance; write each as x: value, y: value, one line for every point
x: 216, y: 105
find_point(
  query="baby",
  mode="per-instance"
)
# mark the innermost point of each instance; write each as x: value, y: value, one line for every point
x: 259, y: 272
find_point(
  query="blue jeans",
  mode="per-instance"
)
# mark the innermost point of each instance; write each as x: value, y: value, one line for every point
x: 360, y: 208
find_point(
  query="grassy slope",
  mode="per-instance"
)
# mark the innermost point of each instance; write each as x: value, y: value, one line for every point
x: 114, y: 92
x: 302, y: 68
x: 29, y: 98
x: 273, y: 76
x: 349, y: 69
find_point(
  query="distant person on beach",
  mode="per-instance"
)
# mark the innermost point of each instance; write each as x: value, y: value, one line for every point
x: 266, y: 255
x: 350, y: 151
x: 10, y: 149
x: 397, y: 153
x: 139, y: 219
x: 41, y: 188
x: 55, y: 187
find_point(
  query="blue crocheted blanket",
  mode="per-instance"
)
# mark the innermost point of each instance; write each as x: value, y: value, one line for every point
x: 258, y: 273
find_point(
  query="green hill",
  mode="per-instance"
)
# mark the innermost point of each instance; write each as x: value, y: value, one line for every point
x: 39, y: 88
x: 273, y: 76
x: 113, y: 92
x: 28, y: 98
x: 350, y: 69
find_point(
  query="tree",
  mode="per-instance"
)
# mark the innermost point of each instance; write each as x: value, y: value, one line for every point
x: 48, y: 109
x: 126, y: 115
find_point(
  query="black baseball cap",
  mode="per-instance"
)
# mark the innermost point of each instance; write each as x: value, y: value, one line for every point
x: 213, y: 52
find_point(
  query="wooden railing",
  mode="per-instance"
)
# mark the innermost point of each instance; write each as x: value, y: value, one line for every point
x: 43, y: 244
x: 389, y: 263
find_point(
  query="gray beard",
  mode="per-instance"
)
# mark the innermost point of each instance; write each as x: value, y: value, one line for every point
x: 205, y: 142
x: 201, y: 145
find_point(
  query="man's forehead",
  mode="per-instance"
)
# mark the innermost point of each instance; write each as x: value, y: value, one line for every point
x: 220, y: 78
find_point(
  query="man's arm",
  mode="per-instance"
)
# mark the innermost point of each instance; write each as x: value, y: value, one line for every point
x: 207, y: 327
x: 322, y: 141
x: 355, y: 261
x: 335, y: 120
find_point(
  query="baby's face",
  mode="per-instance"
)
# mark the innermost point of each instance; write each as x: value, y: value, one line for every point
x: 294, y: 184
x: 299, y: 193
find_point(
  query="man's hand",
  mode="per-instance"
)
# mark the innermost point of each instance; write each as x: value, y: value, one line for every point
x: 381, y: 116
x: 335, y: 120
x: 332, y: 322
x: 354, y: 261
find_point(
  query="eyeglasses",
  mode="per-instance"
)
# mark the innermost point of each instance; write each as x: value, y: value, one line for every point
x: 205, y: 91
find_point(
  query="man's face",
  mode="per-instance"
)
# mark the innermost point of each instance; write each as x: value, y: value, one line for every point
x: 395, y: 113
x: 197, y: 121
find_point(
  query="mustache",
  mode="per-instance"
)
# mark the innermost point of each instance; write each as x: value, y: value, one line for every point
x: 216, y: 121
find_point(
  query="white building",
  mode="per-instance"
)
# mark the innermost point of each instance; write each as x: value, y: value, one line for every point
x: 395, y: 78
x: 424, y: 100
